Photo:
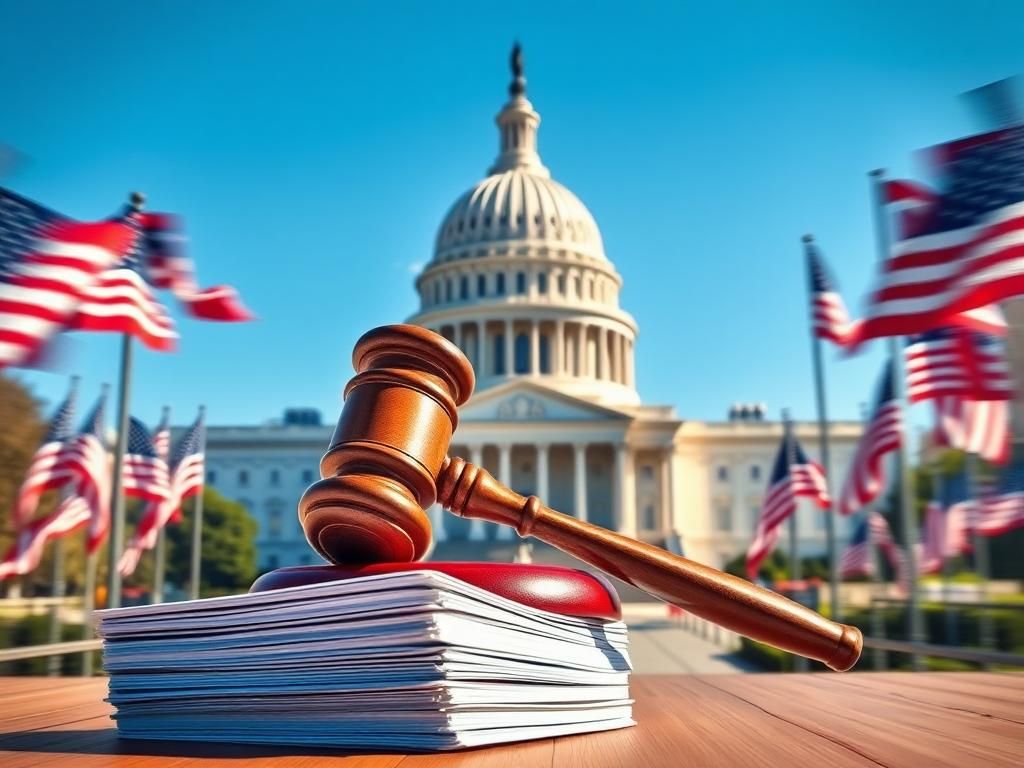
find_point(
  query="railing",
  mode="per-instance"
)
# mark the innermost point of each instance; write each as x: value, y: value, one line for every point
x: 973, y: 655
x: 50, y: 649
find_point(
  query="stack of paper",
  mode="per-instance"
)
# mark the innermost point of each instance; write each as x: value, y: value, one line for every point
x: 413, y: 660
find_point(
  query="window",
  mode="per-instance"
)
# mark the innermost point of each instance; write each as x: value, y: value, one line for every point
x: 437, y: 292
x: 211, y: 477
x: 545, y: 356
x: 499, y: 284
x: 647, y: 473
x: 521, y: 283
x: 275, y: 518
x: 576, y: 283
x: 755, y: 472
x: 561, y: 285
x: 542, y: 283
x: 723, y: 516
x: 307, y: 476
x: 522, y: 353
x: 448, y: 289
x: 481, y: 285
x: 648, y: 521
x: 243, y: 478
x: 275, y: 477
x: 464, y: 287
x: 499, y: 353
x: 722, y: 474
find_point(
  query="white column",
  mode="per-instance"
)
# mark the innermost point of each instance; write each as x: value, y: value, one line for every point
x: 668, y: 522
x: 509, y: 349
x: 505, y: 478
x: 558, y: 349
x: 534, y: 347
x: 620, y: 358
x: 436, y: 514
x: 542, y: 473
x: 580, y: 484
x: 483, y: 353
x: 625, y: 484
x: 581, y: 350
x: 476, y: 527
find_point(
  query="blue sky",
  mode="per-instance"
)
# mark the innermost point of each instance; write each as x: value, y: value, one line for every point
x: 313, y: 148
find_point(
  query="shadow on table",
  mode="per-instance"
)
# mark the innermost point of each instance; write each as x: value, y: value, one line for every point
x: 105, y: 741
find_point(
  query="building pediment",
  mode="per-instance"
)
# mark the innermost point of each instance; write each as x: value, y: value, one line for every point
x: 528, y: 401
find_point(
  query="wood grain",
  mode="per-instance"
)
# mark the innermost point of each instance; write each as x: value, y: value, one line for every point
x: 896, y: 720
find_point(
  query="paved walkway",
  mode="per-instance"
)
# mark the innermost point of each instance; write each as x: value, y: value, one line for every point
x: 661, y: 647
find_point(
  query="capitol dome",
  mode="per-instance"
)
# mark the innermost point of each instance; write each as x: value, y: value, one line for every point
x: 519, y: 278
x: 519, y: 204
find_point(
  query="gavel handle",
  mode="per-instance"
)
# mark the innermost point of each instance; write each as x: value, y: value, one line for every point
x: 472, y: 492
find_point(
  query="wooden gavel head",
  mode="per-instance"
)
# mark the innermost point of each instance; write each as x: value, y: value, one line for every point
x: 379, y: 474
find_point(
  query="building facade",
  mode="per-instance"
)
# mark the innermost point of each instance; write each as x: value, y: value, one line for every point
x: 520, y: 281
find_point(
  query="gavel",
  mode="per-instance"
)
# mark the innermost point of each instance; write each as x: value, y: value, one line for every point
x: 388, y: 463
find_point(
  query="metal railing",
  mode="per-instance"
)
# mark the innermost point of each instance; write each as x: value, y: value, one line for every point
x: 973, y: 655
x: 50, y: 649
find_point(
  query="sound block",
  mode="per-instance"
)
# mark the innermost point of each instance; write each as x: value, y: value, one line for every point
x: 566, y: 591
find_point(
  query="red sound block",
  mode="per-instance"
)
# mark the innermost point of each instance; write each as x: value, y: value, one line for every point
x: 549, y: 587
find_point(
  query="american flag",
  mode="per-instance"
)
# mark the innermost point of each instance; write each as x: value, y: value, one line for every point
x: 858, y: 559
x: 829, y: 318
x: 932, y: 550
x: 957, y: 362
x: 793, y: 476
x: 162, y: 435
x: 144, y: 472
x: 49, y: 467
x: 169, y: 268
x: 881, y: 536
x: 883, y: 435
x: 24, y: 556
x: 120, y: 299
x: 89, y: 460
x: 47, y: 262
x: 963, y: 249
x: 1003, y: 509
x: 981, y: 427
x: 187, y: 476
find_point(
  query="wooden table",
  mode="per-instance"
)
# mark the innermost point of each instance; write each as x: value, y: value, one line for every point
x: 865, y: 719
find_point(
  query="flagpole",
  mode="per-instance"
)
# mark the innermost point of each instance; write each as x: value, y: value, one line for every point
x: 58, y: 582
x: 879, y: 656
x: 88, y: 604
x: 799, y: 662
x: 981, y: 558
x: 197, y: 530
x: 116, y: 532
x: 159, y: 565
x: 938, y: 494
x: 57, y: 595
x: 915, y: 628
x: 823, y: 442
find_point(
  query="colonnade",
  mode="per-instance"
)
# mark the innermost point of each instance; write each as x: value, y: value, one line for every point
x: 508, y: 346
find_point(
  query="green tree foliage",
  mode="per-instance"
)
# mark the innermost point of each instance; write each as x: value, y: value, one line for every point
x: 23, y: 428
x: 229, y: 551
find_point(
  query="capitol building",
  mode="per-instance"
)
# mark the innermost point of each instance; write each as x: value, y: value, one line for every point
x: 521, y: 282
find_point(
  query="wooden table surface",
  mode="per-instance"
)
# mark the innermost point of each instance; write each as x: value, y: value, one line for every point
x: 864, y: 719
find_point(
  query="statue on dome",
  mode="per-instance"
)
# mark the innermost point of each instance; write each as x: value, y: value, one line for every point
x: 518, y: 86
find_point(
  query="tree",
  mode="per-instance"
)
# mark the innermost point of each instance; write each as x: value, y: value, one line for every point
x: 228, y: 561
x: 23, y: 428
